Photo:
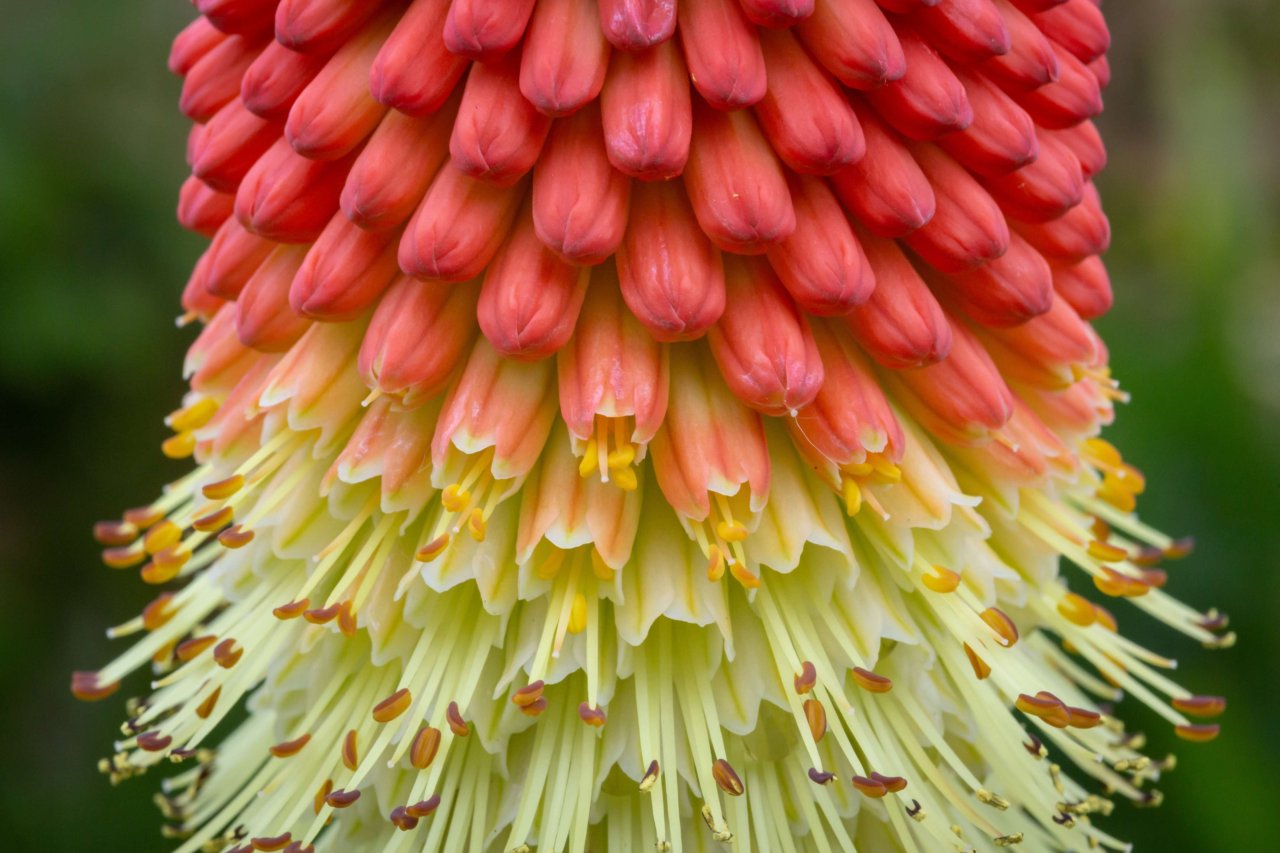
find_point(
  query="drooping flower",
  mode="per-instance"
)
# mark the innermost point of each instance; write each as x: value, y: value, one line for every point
x: 631, y: 424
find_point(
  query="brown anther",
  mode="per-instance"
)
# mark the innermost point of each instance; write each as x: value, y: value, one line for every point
x: 322, y: 615
x: 821, y: 777
x: 591, y: 716
x: 980, y: 668
x: 223, y: 489
x: 535, y: 708
x: 292, y: 610
x: 1008, y: 840
x: 290, y: 747
x: 816, y: 716
x: 1155, y: 578
x: 1100, y: 529
x: 347, y: 619
x: 236, y: 536
x: 402, y: 819
x: 157, y: 612
x: 86, y: 687
x: 893, y: 783
x: 997, y: 620
x: 870, y: 787
x: 453, y: 717
x: 1105, y: 552
x: 268, y: 844
x: 1150, y: 800
x: 650, y: 777
x: 189, y: 650
x: 915, y: 811
x: 340, y: 799
x: 1147, y: 556
x: 1180, y: 548
x: 425, y: 808
x: 1034, y: 747
x: 1200, y: 706
x: 297, y: 847
x: 870, y: 681
x: 393, y: 706
x: 143, y: 517
x: 1077, y: 610
x: 806, y: 678
x: 227, y: 654
x: 942, y: 580
x: 1045, y: 706
x: 426, y: 743
x: 154, y: 742
x: 115, y: 532
x: 1082, y: 718
x: 215, y: 520
x: 205, y: 708
x: 350, y: 752
x: 726, y: 777
x: 1202, y: 733
x: 317, y: 802
x: 432, y: 549
x: 528, y: 695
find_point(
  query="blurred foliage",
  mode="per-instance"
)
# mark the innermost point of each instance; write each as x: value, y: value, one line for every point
x: 91, y: 263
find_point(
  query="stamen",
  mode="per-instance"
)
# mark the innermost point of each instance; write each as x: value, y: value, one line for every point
x: 816, y: 716
x: 1200, y: 706
x: 806, y: 678
x: 870, y: 681
x: 456, y: 723
x: 594, y: 717
x: 290, y: 747
x: 349, y: 752
x: 726, y: 777
x: 340, y: 798
x: 426, y: 743
x: 393, y: 706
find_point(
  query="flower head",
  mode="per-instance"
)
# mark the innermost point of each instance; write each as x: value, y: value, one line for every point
x: 633, y: 424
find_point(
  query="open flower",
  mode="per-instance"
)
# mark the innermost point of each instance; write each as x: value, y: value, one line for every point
x: 629, y: 424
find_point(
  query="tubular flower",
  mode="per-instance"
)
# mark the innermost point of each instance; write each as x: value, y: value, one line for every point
x: 631, y: 424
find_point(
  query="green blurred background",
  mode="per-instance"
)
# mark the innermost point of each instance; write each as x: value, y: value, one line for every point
x: 91, y: 263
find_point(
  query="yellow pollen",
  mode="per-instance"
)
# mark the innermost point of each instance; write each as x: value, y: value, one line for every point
x: 715, y: 563
x: 224, y: 489
x: 941, y: 580
x: 163, y: 535
x: 475, y: 524
x: 852, y: 494
x: 194, y: 416
x: 455, y: 498
x: 179, y: 446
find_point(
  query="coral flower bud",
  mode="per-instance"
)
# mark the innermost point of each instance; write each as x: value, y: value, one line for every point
x: 1002, y: 136
x: 530, y: 299
x: 414, y: 72
x: 723, y: 53
x: 736, y: 185
x: 344, y: 272
x: 647, y: 113
x: 803, y: 113
x: 580, y: 201
x: 419, y: 333
x: 309, y: 26
x: 821, y: 264
x: 335, y: 112
x: 288, y: 198
x: 458, y: 227
x: 394, y: 169
x: 886, y: 190
x: 480, y: 30
x: 498, y: 133
x: 855, y: 42
x: 272, y: 84
x: 672, y: 277
x: 637, y: 24
x: 901, y: 324
x: 926, y: 102
x: 264, y: 318
x: 762, y: 343
x: 565, y: 56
